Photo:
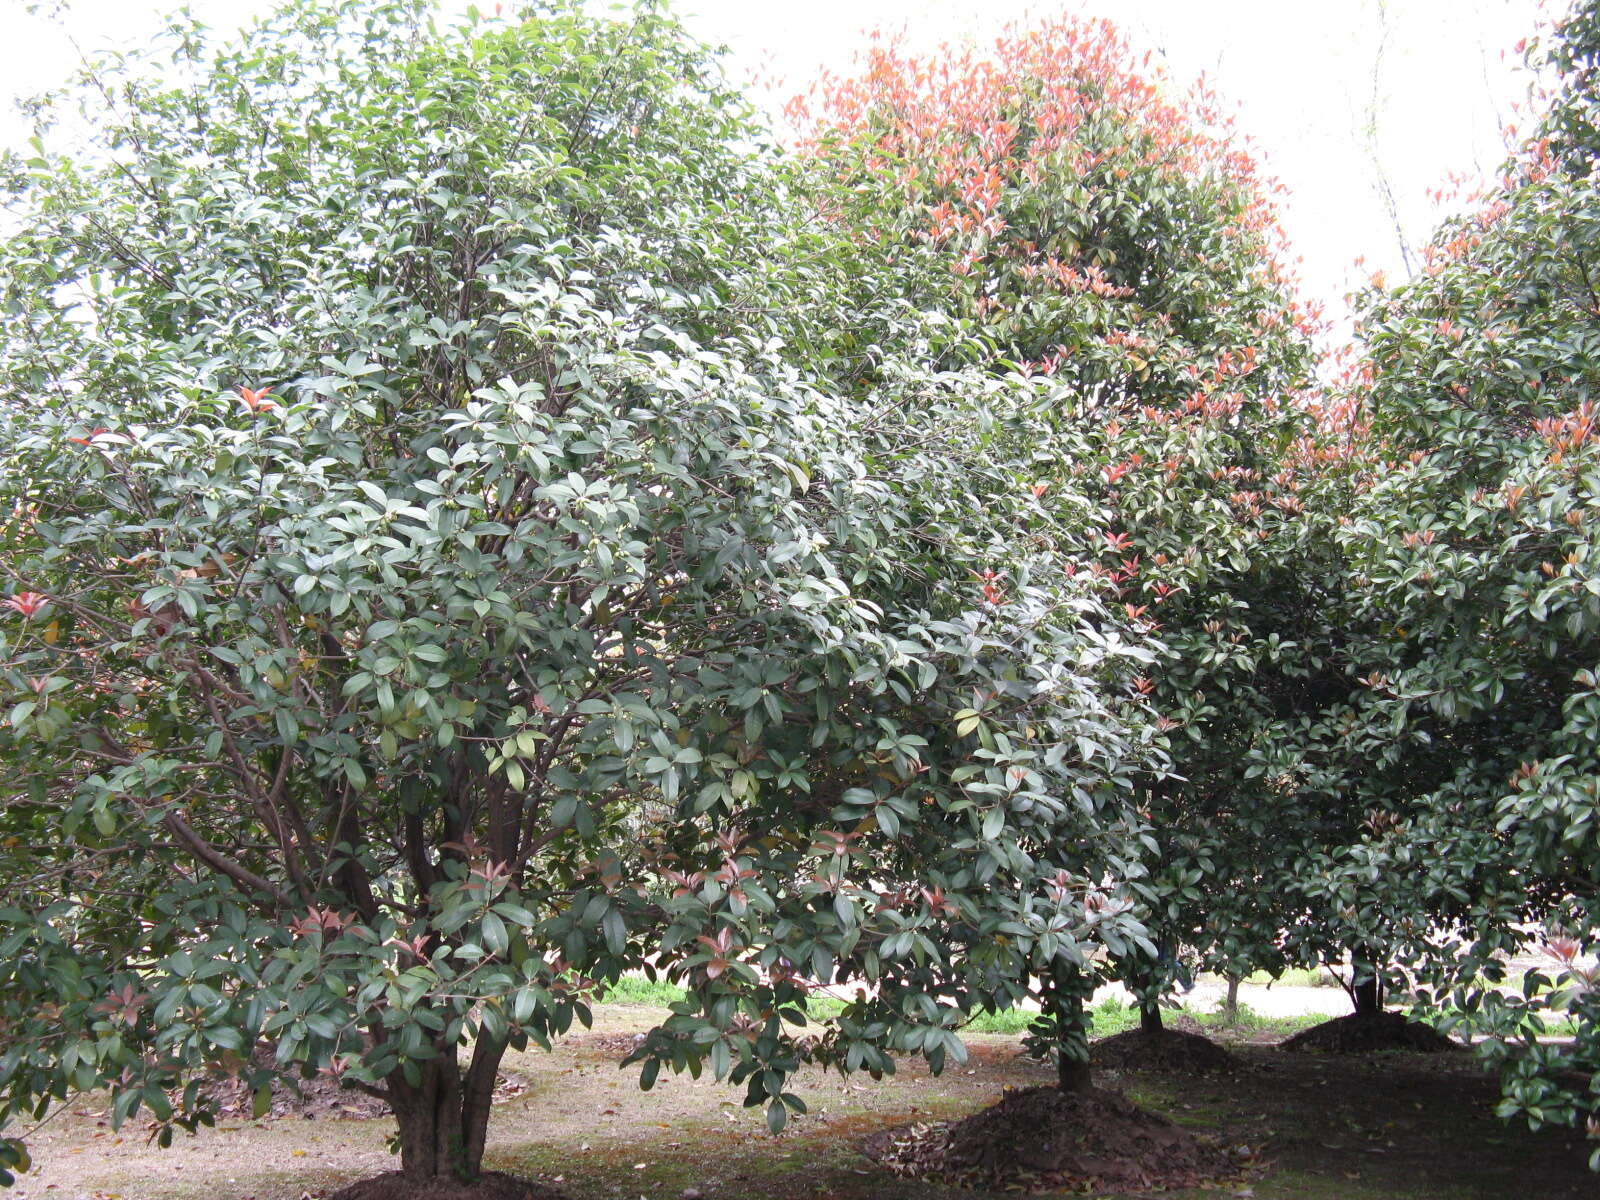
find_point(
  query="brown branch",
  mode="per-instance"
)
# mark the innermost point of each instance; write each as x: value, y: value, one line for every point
x: 503, y: 824
x: 532, y: 845
x: 130, y: 258
x: 352, y: 876
x: 416, y: 854
x: 205, y: 852
x: 248, y: 777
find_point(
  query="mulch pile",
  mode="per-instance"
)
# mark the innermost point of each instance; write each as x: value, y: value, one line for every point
x: 491, y: 1185
x: 1043, y: 1138
x: 320, y: 1098
x: 1368, y: 1034
x: 1164, y: 1050
x: 604, y: 1046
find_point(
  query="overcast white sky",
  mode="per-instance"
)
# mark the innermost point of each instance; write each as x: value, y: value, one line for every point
x: 1340, y: 96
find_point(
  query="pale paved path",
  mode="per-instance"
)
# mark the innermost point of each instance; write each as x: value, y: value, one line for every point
x: 1277, y: 1000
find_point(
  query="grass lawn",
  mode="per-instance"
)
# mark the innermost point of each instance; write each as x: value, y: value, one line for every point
x: 1111, y: 1016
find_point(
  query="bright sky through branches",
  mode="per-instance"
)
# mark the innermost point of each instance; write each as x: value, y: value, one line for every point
x: 1359, y: 107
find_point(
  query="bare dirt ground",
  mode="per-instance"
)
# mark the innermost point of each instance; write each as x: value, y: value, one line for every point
x: 1390, y: 1127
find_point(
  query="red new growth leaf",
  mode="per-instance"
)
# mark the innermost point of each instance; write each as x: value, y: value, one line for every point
x: 1563, y: 949
x: 255, y: 399
x: 320, y: 920
x: 124, y: 1005
x: 28, y: 603
x: 993, y: 593
x: 721, y: 949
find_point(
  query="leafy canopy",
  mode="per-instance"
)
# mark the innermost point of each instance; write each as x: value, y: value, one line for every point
x: 451, y: 562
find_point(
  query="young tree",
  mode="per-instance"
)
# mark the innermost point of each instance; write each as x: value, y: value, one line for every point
x: 436, y: 585
x: 1073, y: 215
x: 1477, y: 561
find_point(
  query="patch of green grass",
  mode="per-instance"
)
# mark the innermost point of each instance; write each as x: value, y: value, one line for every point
x: 637, y: 990
x: 1248, y: 1021
x: 824, y: 1008
x: 1566, y: 1026
x: 1010, y: 1020
x: 1111, y: 1016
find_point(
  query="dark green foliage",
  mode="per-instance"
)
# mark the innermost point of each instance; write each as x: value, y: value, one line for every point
x: 453, y: 562
x: 1475, y: 564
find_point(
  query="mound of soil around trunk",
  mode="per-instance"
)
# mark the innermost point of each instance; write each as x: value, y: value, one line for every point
x: 1161, y: 1050
x: 491, y: 1185
x: 319, y: 1098
x: 1042, y: 1137
x: 1363, y: 1034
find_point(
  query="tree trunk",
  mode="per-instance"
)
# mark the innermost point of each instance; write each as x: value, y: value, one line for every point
x: 1366, y: 993
x: 444, y: 1119
x: 1230, y: 1006
x: 1151, y: 981
x: 1072, y: 1029
x: 429, y: 1116
x: 1149, y: 1017
x: 1072, y: 1074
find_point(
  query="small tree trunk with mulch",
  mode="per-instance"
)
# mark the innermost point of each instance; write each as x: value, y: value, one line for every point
x: 1150, y: 1018
x: 1067, y: 1004
x: 1366, y: 993
x: 1369, y: 1028
x: 443, y: 1119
